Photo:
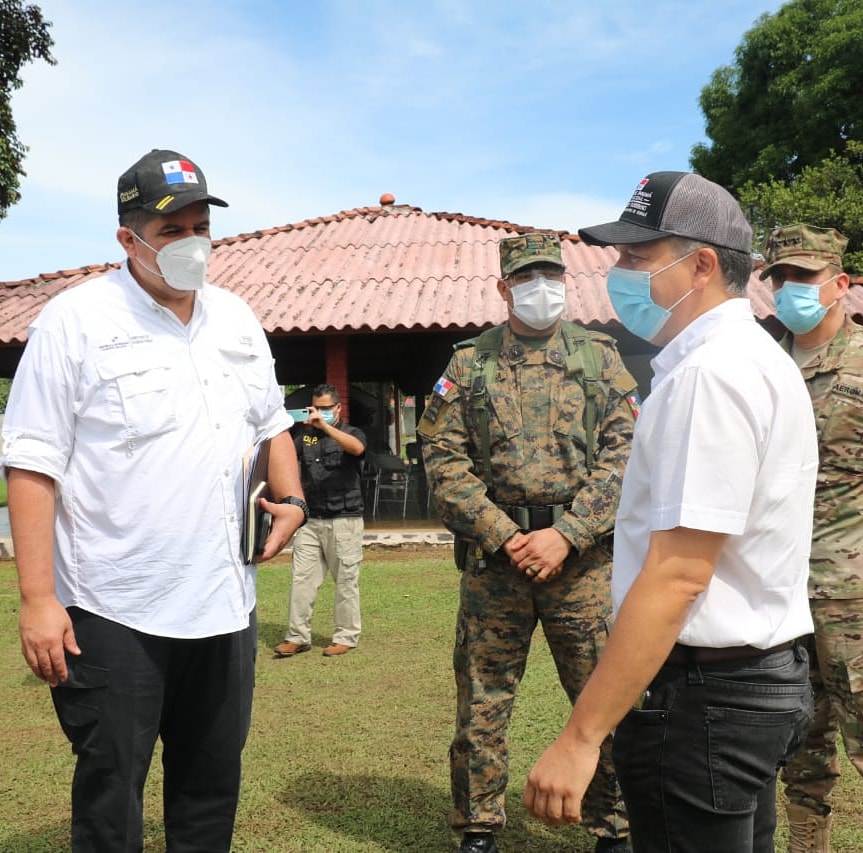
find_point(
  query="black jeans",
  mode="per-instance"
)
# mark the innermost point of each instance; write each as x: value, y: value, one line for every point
x: 125, y: 690
x: 697, y: 763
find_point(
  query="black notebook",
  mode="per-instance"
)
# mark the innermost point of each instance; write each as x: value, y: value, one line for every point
x: 256, y: 521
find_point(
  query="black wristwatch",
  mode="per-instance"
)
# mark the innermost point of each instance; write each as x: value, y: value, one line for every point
x: 290, y: 499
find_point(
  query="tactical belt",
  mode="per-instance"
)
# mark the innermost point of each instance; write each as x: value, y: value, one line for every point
x: 703, y: 656
x: 534, y: 517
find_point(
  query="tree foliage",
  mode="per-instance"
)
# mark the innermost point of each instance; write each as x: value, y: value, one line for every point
x: 793, y: 97
x: 829, y: 195
x: 23, y: 38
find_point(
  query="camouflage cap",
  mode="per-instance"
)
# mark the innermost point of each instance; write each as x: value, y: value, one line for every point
x: 803, y: 246
x: 527, y: 249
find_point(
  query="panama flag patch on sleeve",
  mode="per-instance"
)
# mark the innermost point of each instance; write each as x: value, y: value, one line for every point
x: 634, y: 401
x: 442, y: 386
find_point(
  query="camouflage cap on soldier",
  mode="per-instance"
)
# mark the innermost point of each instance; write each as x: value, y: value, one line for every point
x: 803, y: 246
x: 526, y: 249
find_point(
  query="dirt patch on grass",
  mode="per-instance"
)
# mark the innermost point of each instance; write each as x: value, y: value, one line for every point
x: 409, y: 551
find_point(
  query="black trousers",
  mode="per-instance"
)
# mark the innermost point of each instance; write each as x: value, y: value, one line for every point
x: 125, y: 690
x: 697, y: 762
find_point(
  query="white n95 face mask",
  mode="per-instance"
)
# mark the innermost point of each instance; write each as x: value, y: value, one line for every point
x: 539, y: 303
x: 183, y: 263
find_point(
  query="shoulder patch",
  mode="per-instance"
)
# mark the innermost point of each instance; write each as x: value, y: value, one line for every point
x: 443, y: 386
x: 634, y: 400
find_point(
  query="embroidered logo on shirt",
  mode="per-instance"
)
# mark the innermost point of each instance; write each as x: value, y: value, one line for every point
x: 117, y: 342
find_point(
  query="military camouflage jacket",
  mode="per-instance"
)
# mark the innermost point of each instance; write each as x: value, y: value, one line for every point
x: 835, y: 383
x: 537, y: 442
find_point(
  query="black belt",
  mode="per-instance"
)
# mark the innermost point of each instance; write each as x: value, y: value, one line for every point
x: 703, y: 656
x: 534, y: 517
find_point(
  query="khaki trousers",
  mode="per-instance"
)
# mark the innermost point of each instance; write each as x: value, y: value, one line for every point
x: 333, y: 545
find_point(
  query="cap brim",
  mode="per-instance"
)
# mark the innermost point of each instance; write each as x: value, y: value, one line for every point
x: 801, y: 261
x: 181, y: 200
x: 621, y: 232
x: 535, y: 261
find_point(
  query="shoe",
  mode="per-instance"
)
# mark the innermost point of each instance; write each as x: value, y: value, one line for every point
x: 612, y: 845
x: 808, y: 831
x: 478, y: 842
x: 334, y: 649
x: 288, y: 650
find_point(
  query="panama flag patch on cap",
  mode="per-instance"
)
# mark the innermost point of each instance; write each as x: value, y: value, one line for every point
x: 180, y: 172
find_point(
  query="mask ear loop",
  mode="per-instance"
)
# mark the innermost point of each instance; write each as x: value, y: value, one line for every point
x: 668, y: 267
x: 688, y: 293
x: 835, y: 302
x: 138, y: 260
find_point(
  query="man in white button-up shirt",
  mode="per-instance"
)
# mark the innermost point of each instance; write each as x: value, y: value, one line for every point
x: 702, y: 675
x: 130, y: 412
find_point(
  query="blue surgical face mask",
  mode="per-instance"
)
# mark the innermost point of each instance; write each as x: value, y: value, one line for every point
x: 629, y: 292
x: 798, y: 305
x: 328, y: 416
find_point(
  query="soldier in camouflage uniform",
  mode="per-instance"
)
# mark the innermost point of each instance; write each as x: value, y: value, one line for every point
x: 536, y: 530
x: 804, y: 264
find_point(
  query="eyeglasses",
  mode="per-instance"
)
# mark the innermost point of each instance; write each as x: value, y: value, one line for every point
x: 524, y: 276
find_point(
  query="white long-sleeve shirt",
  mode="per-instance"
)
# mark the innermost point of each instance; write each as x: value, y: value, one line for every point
x: 142, y: 422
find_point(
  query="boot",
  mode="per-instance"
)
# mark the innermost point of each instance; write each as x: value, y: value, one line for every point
x: 808, y: 831
x: 478, y: 842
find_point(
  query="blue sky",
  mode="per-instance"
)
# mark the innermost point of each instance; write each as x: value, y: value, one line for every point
x: 544, y: 113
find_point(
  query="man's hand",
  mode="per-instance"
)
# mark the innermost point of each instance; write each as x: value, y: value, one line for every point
x: 538, y: 554
x: 46, y: 634
x: 287, y: 520
x: 558, y: 780
x: 315, y: 418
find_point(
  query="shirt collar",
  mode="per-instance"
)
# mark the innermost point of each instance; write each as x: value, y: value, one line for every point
x: 696, y: 333
x: 139, y: 295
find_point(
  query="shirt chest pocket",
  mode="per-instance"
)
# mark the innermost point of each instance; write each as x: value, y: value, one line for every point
x: 504, y: 419
x: 246, y: 380
x: 137, y: 395
x: 332, y: 458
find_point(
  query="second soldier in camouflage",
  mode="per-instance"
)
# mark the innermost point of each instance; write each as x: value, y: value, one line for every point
x: 804, y: 264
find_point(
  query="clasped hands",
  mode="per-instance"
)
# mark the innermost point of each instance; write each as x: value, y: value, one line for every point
x: 538, y: 554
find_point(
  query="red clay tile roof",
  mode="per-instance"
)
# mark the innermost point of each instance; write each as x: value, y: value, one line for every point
x: 391, y: 267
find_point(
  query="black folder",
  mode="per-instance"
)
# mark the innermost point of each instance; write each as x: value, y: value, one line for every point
x: 256, y: 521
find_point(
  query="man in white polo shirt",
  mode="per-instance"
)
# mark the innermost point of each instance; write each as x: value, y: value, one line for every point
x: 702, y: 675
x: 132, y: 407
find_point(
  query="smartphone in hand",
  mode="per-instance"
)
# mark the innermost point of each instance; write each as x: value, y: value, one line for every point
x: 299, y: 415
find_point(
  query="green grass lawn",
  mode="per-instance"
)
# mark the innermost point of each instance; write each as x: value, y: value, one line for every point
x: 2, y: 492
x: 346, y: 755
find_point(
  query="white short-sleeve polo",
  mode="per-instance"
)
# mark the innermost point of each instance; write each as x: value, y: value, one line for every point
x: 725, y: 442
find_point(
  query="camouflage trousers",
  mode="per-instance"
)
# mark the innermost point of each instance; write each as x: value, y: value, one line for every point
x: 499, y: 610
x: 836, y: 672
